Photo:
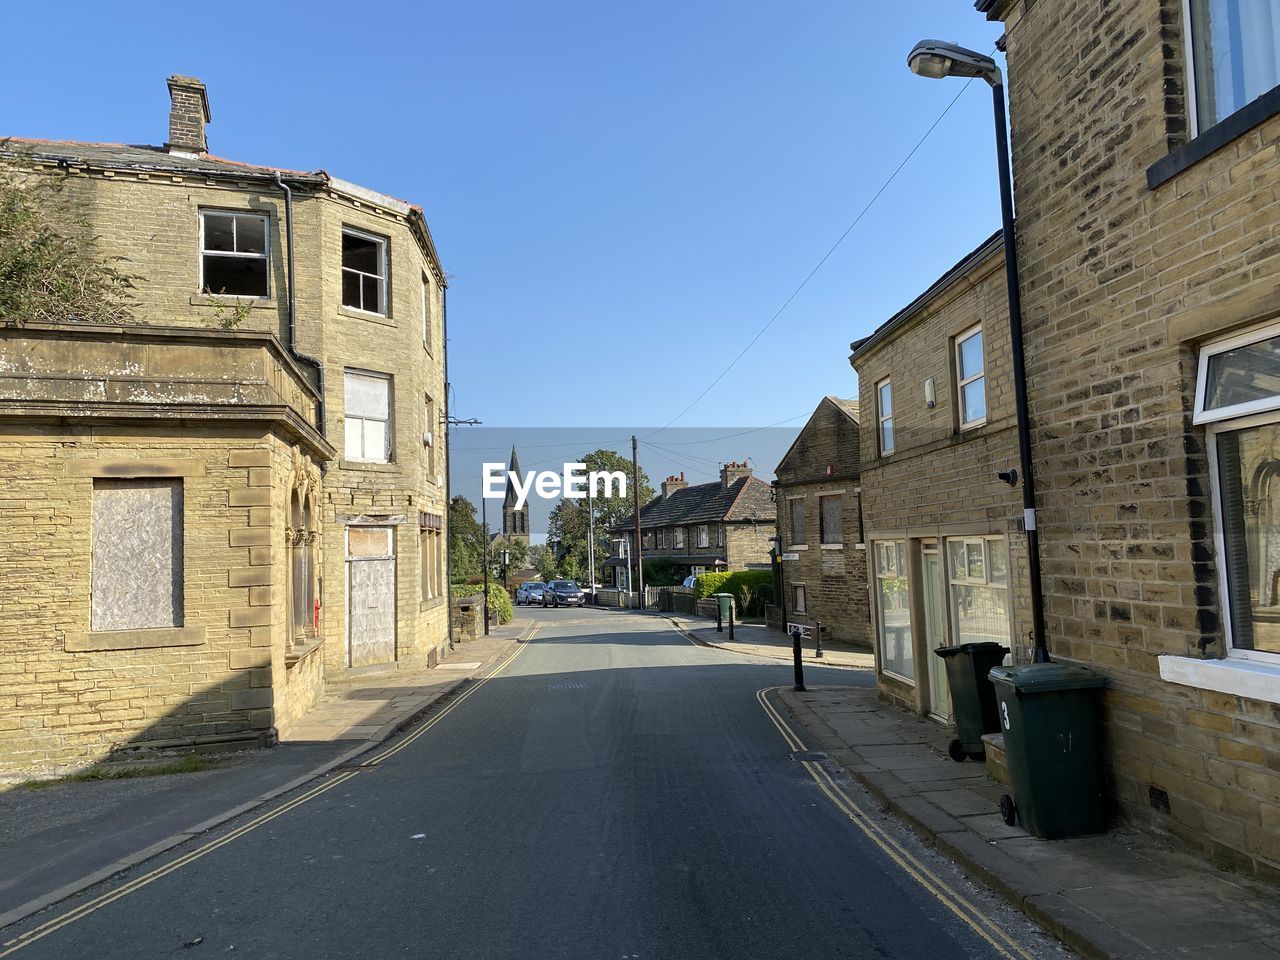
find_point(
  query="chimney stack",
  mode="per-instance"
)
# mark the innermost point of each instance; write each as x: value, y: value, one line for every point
x: 672, y: 484
x: 732, y: 472
x: 188, y: 114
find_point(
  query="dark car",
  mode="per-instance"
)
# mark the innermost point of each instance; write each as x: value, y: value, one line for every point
x: 530, y: 593
x: 563, y: 593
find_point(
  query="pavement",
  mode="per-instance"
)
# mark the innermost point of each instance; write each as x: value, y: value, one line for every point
x: 611, y: 790
x: 1124, y: 894
x: 58, y: 840
x: 753, y: 639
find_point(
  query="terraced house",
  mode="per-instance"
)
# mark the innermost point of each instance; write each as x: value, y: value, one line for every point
x: 713, y: 527
x: 1145, y: 149
x: 242, y: 490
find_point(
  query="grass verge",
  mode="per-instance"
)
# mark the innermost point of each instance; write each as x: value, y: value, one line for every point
x: 193, y: 763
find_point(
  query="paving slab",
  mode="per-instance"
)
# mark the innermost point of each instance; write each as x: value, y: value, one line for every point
x: 755, y: 639
x: 1126, y: 894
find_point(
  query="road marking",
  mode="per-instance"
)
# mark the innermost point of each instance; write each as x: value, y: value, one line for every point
x: 15, y: 944
x: 973, y: 916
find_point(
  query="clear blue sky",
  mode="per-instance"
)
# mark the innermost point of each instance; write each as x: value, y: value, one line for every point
x: 623, y: 194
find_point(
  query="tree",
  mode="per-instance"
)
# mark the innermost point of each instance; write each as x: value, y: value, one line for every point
x: 662, y: 572
x: 569, y: 519
x: 466, y: 541
x: 51, y: 274
x: 517, y: 554
x: 545, y: 562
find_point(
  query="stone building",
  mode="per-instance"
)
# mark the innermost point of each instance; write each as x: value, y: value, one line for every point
x: 948, y: 556
x: 819, y: 505
x: 1144, y: 140
x: 264, y: 445
x: 713, y: 527
x: 515, y: 520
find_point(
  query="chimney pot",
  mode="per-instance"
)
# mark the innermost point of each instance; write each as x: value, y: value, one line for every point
x: 188, y: 115
x: 733, y: 471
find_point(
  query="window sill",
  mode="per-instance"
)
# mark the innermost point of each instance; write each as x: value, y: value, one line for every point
x: 376, y: 466
x: 300, y: 651
x: 231, y: 299
x: 796, y: 546
x: 425, y: 605
x: 355, y: 314
x: 833, y: 546
x: 149, y: 638
x: 1214, y: 139
x: 1251, y: 679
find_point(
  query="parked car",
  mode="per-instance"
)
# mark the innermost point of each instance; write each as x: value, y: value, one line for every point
x: 563, y: 593
x: 530, y: 593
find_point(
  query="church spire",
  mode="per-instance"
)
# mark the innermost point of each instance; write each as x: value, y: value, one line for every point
x: 510, y: 500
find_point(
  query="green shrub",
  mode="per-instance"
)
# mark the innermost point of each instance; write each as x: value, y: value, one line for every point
x: 662, y: 572
x: 759, y: 584
x: 709, y: 583
x: 500, y: 604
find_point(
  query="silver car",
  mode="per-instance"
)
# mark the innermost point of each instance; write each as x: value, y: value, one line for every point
x: 530, y: 593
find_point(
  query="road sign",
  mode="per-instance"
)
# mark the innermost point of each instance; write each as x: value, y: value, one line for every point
x: 791, y: 556
x: 806, y: 632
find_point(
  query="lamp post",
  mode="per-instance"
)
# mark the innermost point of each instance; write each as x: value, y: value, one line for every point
x: 506, y: 556
x: 937, y: 59
x: 484, y: 539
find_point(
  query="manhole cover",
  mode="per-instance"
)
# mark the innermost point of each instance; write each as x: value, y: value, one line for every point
x: 808, y: 756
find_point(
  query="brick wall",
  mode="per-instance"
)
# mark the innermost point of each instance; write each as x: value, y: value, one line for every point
x: 1120, y: 284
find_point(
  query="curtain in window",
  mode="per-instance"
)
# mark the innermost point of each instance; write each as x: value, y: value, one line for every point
x: 1249, y: 488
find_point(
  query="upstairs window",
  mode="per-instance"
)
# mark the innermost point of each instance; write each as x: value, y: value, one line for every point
x: 1235, y: 55
x: 703, y: 535
x: 679, y: 544
x: 884, y: 409
x: 829, y: 509
x: 429, y: 428
x: 234, y: 254
x: 720, y: 535
x: 368, y: 417
x: 647, y: 540
x: 364, y: 272
x: 971, y: 379
x: 426, y: 312
x: 797, y: 521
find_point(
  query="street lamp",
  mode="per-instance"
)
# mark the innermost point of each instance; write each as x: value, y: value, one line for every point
x: 506, y: 556
x: 937, y: 59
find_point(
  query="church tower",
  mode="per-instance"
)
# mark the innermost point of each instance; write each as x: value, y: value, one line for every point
x: 515, y: 522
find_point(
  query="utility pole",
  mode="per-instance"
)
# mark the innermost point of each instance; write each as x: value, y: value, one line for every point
x: 484, y: 535
x: 591, y: 543
x: 635, y: 499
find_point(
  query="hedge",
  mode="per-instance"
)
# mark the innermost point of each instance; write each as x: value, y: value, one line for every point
x: 500, y: 603
x: 759, y: 581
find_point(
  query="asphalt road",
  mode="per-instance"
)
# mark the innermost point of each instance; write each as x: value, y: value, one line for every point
x: 613, y: 792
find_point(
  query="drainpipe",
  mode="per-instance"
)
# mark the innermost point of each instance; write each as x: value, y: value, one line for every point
x: 293, y: 311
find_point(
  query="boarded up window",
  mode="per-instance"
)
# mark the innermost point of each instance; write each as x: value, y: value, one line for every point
x: 829, y: 508
x: 136, y: 554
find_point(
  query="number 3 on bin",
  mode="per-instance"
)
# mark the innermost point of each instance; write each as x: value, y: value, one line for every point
x: 1004, y: 713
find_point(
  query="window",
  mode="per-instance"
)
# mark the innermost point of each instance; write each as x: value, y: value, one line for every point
x: 431, y: 548
x: 364, y: 272
x: 830, y: 513
x: 797, y: 521
x: 703, y: 534
x: 136, y: 554
x: 893, y: 609
x: 884, y: 408
x: 368, y: 417
x: 647, y: 540
x: 978, y: 574
x: 1234, y: 48
x: 429, y: 437
x: 797, y: 598
x: 1238, y: 397
x: 679, y: 538
x: 426, y: 312
x: 971, y: 378
x: 234, y: 254
x: 720, y: 535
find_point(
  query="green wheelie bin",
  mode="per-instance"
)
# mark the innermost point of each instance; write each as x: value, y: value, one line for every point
x: 973, y: 699
x: 725, y: 600
x: 1049, y: 715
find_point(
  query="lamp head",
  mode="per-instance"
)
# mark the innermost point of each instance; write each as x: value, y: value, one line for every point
x: 938, y: 58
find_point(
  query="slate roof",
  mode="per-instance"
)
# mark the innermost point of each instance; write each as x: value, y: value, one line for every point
x: 745, y: 500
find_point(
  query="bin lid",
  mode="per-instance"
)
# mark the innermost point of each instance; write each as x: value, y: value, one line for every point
x: 974, y: 646
x: 730, y: 595
x: 1047, y: 677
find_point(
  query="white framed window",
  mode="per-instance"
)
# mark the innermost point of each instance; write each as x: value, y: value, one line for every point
x: 364, y: 272
x: 702, y: 535
x: 647, y: 540
x: 797, y: 521
x: 679, y: 538
x: 798, y: 598
x: 697, y: 571
x: 426, y: 312
x: 367, y: 404
x: 884, y: 411
x: 429, y: 427
x: 1238, y: 399
x: 1233, y: 52
x: 235, y: 254
x: 893, y: 609
x: 830, y: 513
x: 971, y: 379
x: 720, y: 535
x: 978, y: 589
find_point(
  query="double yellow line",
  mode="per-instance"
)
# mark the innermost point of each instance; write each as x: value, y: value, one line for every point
x: 12, y: 946
x: 973, y: 916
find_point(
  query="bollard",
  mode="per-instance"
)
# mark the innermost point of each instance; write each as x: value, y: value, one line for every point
x: 731, y: 623
x: 818, y: 633
x: 719, y: 619
x: 795, y: 653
